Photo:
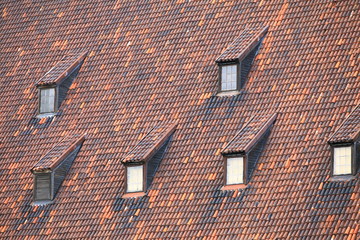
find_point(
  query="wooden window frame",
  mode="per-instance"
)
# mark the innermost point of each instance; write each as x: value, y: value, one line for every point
x: 51, y: 186
x: 245, y: 168
x: 353, y: 158
x: 55, y: 100
x: 238, y: 76
x: 144, y: 177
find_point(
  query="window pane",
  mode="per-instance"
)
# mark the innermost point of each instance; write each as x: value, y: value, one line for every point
x: 135, y: 179
x: 42, y: 191
x: 342, y: 160
x: 47, y: 100
x: 228, y: 77
x: 235, y: 170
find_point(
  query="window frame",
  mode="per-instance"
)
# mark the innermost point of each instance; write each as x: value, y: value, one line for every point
x: 144, y: 167
x: 51, y: 190
x: 238, y: 76
x: 353, y: 158
x: 225, y: 158
x: 55, y: 99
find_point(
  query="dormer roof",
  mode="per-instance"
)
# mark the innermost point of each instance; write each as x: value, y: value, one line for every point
x: 242, y: 45
x: 349, y: 130
x: 62, y: 69
x: 150, y: 143
x: 58, y: 153
x: 250, y: 134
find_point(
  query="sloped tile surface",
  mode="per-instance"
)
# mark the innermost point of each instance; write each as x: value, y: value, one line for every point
x: 153, y: 61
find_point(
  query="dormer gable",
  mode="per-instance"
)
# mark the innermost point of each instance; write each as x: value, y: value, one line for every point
x: 52, y: 168
x: 345, y: 146
x: 243, y: 150
x: 54, y: 85
x: 142, y: 161
x: 235, y: 62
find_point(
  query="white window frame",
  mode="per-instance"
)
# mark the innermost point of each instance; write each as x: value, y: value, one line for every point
x: 137, y: 181
x: 41, y: 111
x: 226, y: 73
x: 230, y: 178
x: 342, y: 166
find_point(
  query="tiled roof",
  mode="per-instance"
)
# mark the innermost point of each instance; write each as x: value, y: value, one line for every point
x: 62, y: 69
x: 250, y: 134
x: 349, y: 130
x: 151, y: 61
x: 242, y: 45
x: 58, y: 153
x: 150, y: 143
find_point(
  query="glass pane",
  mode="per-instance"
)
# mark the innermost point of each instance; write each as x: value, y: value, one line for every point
x: 228, y: 77
x: 135, y: 179
x: 342, y: 160
x: 235, y: 170
x: 43, y: 186
x: 47, y: 100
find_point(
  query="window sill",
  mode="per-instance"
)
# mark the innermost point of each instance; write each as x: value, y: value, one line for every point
x: 228, y: 93
x: 45, y: 115
x: 42, y: 202
x: 233, y: 187
x: 133, y: 195
x: 341, y: 178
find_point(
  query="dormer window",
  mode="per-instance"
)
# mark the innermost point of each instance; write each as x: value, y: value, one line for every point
x: 235, y: 62
x: 47, y: 100
x: 345, y: 146
x: 52, y: 168
x: 43, y: 187
x: 143, y: 160
x: 135, y: 178
x: 234, y: 170
x: 243, y: 151
x: 229, y: 77
x: 53, y: 86
x: 342, y: 160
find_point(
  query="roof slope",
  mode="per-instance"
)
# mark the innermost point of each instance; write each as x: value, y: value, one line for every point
x: 152, y: 61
